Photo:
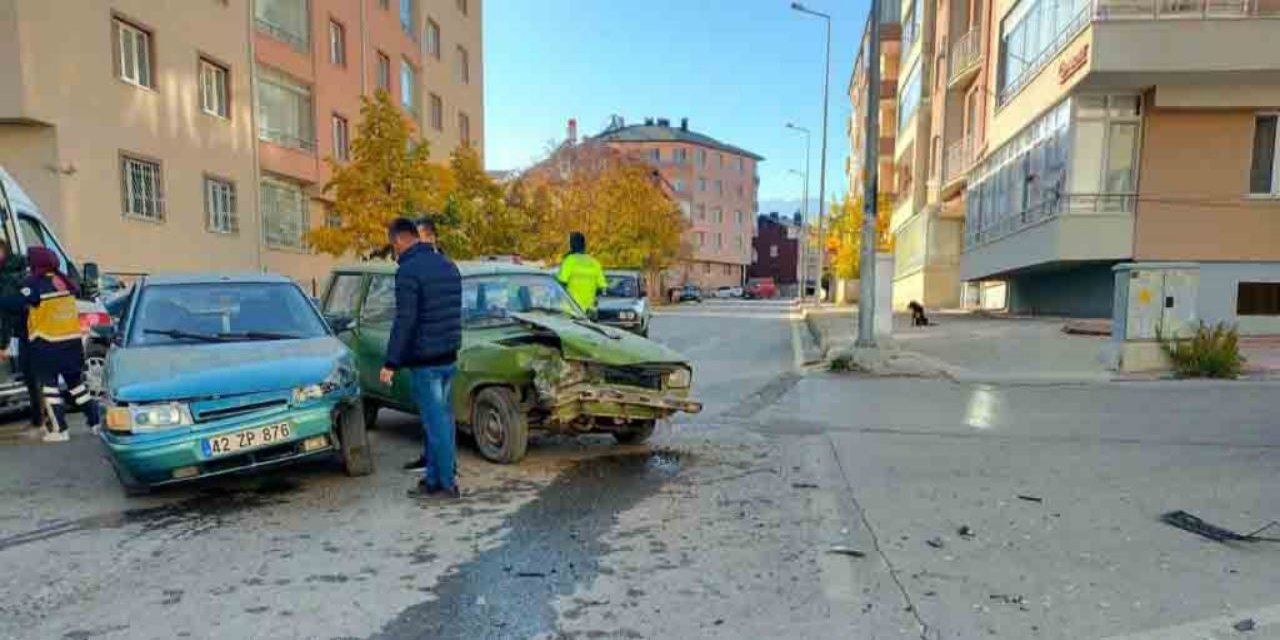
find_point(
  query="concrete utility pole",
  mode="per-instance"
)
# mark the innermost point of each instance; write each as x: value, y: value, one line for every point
x: 871, y: 196
x: 804, y: 214
x: 822, y: 177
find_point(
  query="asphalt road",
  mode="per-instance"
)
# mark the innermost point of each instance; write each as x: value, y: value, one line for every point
x: 799, y: 504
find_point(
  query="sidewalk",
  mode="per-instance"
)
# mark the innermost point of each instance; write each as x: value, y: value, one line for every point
x: 985, y: 349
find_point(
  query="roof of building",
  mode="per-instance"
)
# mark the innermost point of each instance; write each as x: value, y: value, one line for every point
x: 666, y: 133
x: 213, y: 278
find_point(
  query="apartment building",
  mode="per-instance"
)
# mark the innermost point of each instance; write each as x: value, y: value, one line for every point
x: 716, y: 186
x: 1130, y: 131
x: 890, y: 54
x: 776, y: 252
x: 175, y: 135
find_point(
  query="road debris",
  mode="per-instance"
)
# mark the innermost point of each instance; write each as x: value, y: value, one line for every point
x: 965, y: 532
x: 1023, y: 496
x: 936, y: 543
x: 530, y: 574
x: 846, y: 551
x: 804, y: 485
x: 1190, y: 523
x: 1245, y: 625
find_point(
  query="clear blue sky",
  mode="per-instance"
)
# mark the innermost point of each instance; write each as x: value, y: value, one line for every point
x: 738, y: 69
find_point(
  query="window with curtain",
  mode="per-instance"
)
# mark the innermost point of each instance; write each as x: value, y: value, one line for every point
x: 1262, y: 171
x: 284, y: 110
x: 284, y: 213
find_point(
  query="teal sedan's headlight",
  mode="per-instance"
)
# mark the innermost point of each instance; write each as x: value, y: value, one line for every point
x: 148, y: 417
x: 679, y: 379
x: 626, y: 315
x: 342, y: 377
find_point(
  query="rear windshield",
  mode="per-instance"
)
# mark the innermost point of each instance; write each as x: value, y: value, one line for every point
x: 622, y: 286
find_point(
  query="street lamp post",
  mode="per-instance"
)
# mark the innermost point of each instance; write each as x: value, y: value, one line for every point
x: 822, y: 177
x: 804, y: 215
x: 871, y: 185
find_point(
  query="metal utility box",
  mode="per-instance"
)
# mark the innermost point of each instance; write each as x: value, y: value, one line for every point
x: 1152, y: 300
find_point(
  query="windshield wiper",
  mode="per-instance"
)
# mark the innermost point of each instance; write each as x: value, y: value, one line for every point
x: 178, y: 334
x: 257, y: 335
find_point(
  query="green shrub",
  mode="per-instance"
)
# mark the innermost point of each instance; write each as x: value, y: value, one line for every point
x: 1212, y: 352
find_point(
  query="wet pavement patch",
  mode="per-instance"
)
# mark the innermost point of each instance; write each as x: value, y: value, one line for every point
x: 182, y: 519
x: 550, y: 546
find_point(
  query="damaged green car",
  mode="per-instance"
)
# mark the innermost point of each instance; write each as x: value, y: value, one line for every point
x: 530, y: 360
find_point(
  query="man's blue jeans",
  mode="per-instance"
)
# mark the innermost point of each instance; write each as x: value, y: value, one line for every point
x: 432, y: 392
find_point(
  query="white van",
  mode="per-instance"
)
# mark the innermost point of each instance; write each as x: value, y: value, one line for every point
x: 23, y: 226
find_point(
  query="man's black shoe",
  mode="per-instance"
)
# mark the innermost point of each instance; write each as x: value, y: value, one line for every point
x: 421, y: 492
x: 416, y: 465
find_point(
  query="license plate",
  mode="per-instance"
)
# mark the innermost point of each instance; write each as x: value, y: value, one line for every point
x: 247, y: 439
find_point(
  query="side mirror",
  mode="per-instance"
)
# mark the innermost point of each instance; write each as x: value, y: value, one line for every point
x: 91, y: 272
x: 341, y: 324
x: 89, y: 284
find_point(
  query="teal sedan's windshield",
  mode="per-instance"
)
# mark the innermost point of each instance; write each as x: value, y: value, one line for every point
x: 222, y: 312
x: 493, y: 298
x: 622, y: 286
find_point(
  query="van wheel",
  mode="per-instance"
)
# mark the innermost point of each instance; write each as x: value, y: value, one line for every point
x: 499, y: 426
x: 636, y: 432
x: 353, y: 437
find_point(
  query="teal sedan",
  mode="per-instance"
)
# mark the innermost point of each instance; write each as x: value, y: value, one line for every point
x: 210, y: 375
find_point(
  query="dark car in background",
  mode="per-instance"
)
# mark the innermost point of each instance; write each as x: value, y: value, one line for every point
x: 760, y: 289
x: 687, y: 293
x: 623, y: 304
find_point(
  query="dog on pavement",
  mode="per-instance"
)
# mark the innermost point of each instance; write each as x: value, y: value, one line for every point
x: 918, y: 317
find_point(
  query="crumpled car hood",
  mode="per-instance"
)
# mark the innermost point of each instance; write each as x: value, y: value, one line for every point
x: 175, y: 372
x: 581, y: 340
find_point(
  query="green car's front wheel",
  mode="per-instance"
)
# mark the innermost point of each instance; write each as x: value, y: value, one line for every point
x: 499, y: 426
x: 353, y: 441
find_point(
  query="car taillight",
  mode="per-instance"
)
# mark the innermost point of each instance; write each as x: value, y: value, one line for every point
x: 94, y: 319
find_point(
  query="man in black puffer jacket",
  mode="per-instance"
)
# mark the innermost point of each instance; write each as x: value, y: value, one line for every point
x: 424, y: 340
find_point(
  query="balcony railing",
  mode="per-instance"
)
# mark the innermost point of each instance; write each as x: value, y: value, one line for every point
x: 958, y: 160
x: 1174, y: 9
x: 286, y: 139
x: 976, y: 235
x: 299, y: 41
x: 966, y: 53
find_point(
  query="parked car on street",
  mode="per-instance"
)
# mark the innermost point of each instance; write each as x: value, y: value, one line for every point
x: 728, y: 292
x: 760, y: 289
x: 624, y: 303
x: 530, y: 359
x: 686, y: 293
x: 22, y: 225
x: 218, y: 374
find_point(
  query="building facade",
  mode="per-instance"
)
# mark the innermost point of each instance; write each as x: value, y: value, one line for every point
x: 776, y: 251
x: 890, y: 53
x: 1129, y: 132
x: 716, y: 186
x: 155, y: 146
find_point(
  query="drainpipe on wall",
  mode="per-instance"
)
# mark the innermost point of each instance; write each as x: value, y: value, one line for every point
x: 253, y: 135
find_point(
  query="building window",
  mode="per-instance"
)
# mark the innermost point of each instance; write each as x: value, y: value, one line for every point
x: 773, y: 251
x: 739, y: 188
x: 911, y: 28
x: 337, y: 43
x: 285, y: 20
x: 718, y: 215
x: 1258, y: 299
x: 437, y: 112
x: 385, y: 4
x: 740, y: 217
x: 341, y: 139
x: 741, y: 166
x: 728, y: 269
x: 220, y: 205
x: 698, y: 238
x: 909, y: 95
x: 722, y: 161
x: 680, y: 156
x: 462, y: 6
x: 463, y: 69
x: 702, y: 157
x: 1104, y: 150
x: 143, y: 188
x: 702, y: 184
x: 706, y: 268
x: 284, y: 111
x: 431, y: 43
x: 215, y: 97
x: 284, y: 213
x: 686, y: 210
x: 655, y: 155
x: 407, y: 10
x: 384, y: 72
x: 720, y: 187
x: 133, y: 55
x: 702, y: 212
x: 464, y: 128
x: 408, y: 87
x: 1033, y: 33
x: 1264, y: 170
x: 332, y: 218
x: 738, y: 241
x: 679, y: 185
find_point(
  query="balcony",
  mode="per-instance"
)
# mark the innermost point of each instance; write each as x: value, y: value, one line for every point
x: 966, y: 59
x: 295, y: 39
x: 956, y: 164
x: 1070, y: 228
x: 1180, y: 9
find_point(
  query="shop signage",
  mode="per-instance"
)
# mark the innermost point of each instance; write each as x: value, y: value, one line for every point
x: 1070, y: 65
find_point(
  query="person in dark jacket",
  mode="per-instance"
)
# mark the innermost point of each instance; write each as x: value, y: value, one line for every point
x: 54, y: 339
x: 425, y: 338
x: 13, y: 272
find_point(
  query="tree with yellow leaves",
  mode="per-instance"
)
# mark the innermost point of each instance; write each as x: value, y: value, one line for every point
x: 844, y: 240
x: 389, y: 175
